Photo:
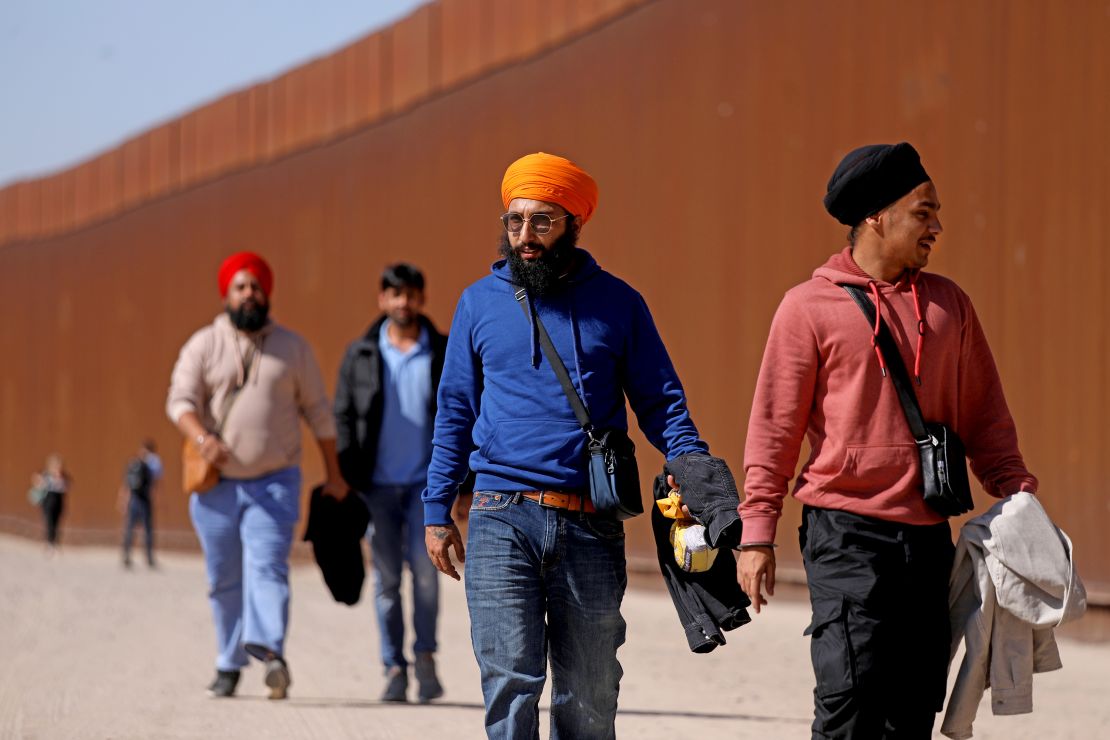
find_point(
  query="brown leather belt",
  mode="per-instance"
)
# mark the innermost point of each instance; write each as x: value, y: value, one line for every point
x: 561, y: 500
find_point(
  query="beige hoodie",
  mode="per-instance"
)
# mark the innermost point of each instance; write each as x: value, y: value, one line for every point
x: 263, y: 426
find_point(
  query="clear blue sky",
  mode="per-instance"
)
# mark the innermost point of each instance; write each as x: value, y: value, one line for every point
x: 80, y: 76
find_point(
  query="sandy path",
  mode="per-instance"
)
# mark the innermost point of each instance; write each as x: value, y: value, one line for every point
x: 89, y: 650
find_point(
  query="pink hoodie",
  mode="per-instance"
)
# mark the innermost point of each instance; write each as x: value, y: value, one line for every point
x: 821, y: 379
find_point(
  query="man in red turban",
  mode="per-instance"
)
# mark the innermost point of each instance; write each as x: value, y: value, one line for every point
x: 545, y: 566
x: 250, y: 262
x: 239, y: 389
x: 249, y: 280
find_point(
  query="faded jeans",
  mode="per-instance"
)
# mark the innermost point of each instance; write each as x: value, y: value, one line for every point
x: 245, y: 527
x: 396, y: 537
x: 139, y: 511
x: 545, y: 583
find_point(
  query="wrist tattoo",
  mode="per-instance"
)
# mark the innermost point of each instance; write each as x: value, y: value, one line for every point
x: 440, y: 533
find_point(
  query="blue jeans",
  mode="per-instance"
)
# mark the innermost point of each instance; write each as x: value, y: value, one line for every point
x: 542, y: 583
x: 396, y: 536
x: 138, y: 512
x: 245, y: 527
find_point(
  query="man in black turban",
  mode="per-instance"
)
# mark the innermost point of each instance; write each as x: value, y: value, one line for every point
x: 877, y: 556
x: 870, y: 178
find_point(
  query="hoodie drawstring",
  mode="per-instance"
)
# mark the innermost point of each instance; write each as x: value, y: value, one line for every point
x: 534, y: 332
x: 525, y: 301
x: 878, y: 323
x: 919, y: 350
x: 575, y: 342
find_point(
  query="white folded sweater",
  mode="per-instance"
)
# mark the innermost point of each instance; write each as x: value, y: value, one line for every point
x: 1013, y: 581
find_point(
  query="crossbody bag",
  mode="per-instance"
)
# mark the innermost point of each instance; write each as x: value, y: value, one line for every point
x: 943, y: 458
x: 614, y: 476
x: 197, y: 474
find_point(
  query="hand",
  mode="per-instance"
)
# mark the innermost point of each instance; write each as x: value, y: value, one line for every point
x: 336, y: 489
x: 754, y: 568
x: 214, y: 451
x: 460, y: 510
x: 674, y: 487
x: 440, y: 540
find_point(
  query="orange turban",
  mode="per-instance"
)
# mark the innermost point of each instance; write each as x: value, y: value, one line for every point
x: 551, y: 179
x: 250, y: 262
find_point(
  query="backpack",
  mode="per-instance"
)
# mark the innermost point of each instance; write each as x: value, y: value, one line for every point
x: 138, y: 478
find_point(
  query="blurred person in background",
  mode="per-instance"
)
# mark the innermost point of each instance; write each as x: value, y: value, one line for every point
x: 254, y: 380
x: 877, y: 557
x: 385, y: 404
x: 545, y: 573
x: 51, y: 486
x: 140, y: 482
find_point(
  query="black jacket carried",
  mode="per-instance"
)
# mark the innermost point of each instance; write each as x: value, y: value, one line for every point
x: 709, y: 603
x: 358, y: 401
x: 335, y: 529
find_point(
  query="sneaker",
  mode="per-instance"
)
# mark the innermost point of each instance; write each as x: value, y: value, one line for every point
x: 396, y: 684
x: 429, y: 686
x: 224, y: 684
x: 277, y: 677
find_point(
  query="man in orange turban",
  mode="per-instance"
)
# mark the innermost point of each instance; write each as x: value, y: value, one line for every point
x: 547, y: 201
x: 545, y: 572
x: 551, y: 178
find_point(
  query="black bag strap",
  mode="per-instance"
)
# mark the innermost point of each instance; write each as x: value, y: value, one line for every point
x: 557, y: 365
x: 893, y: 358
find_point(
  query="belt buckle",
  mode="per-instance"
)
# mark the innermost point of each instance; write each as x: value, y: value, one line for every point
x: 543, y: 502
x: 555, y: 500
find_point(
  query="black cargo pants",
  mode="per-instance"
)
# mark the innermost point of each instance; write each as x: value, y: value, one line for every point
x: 880, y: 633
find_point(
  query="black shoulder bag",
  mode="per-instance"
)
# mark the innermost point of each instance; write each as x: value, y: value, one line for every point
x: 614, y: 477
x: 943, y: 459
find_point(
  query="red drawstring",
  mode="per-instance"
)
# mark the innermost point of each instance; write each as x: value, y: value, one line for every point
x: 919, y: 351
x: 878, y: 323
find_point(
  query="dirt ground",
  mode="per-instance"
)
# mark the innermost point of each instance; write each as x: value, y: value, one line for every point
x: 89, y: 650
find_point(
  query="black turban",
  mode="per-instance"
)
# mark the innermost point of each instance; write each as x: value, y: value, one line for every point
x: 870, y: 178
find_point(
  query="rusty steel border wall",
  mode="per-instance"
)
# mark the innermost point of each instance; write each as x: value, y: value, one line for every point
x: 711, y: 127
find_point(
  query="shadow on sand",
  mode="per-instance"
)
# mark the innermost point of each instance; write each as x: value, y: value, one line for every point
x: 323, y: 702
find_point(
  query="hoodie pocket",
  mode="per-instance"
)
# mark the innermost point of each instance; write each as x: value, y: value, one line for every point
x: 547, y: 447
x: 871, y: 468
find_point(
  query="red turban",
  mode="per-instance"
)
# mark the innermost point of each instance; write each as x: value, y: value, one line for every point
x: 551, y: 179
x: 250, y: 262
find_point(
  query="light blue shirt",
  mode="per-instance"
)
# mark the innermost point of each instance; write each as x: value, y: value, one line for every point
x: 405, y: 441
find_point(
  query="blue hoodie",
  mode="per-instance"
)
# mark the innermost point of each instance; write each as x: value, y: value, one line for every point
x: 502, y: 412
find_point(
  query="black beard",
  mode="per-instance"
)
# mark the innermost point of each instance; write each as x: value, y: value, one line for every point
x: 540, y: 276
x: 249, y: 317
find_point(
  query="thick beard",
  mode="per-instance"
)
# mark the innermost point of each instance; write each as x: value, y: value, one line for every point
x: 249, y: 317
x: 540, y: 276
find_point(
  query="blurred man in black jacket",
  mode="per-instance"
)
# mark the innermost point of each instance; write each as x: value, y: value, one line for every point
x: 385, y: 406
